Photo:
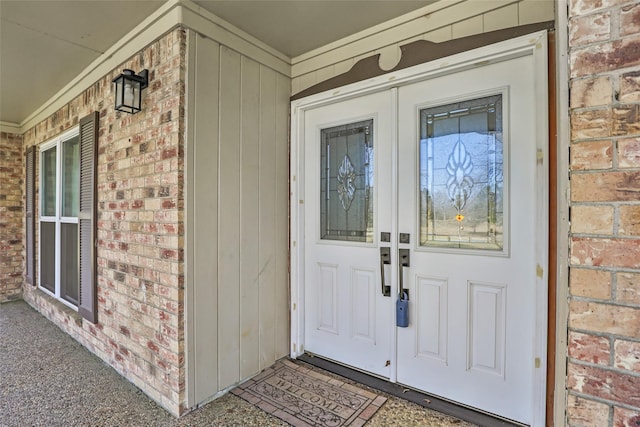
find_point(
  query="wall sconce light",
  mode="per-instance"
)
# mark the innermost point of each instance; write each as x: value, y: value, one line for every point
x: 129, y: 90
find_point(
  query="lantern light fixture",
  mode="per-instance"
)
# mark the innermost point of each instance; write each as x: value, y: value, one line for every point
x: 129, y: 90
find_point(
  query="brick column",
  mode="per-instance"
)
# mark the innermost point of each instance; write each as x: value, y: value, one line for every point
x: 11, y: 216
x: 604, y: 321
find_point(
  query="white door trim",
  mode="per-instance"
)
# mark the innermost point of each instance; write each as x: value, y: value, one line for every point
x: 533, y: 44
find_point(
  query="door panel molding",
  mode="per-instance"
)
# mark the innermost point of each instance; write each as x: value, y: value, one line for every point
x: 431, y: 321
x: 328, y: 302
x: 486, y: 349
x: 363, y: 304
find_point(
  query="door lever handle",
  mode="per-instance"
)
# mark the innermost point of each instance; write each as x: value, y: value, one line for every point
x: 403, y: 261
x: 385, y: 258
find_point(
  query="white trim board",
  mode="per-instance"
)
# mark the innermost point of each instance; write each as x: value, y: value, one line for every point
x: 563, y: 133
x: 534, y: 44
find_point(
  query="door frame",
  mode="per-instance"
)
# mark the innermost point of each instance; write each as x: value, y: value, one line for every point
x: 534, y: 44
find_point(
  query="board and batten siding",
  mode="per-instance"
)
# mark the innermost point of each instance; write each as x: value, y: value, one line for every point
x: 439, y: 22
x: 236, y: 218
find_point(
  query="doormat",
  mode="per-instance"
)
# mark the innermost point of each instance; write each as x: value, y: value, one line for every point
x: 303, y: 397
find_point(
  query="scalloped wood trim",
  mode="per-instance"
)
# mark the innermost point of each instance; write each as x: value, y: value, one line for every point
x: 419, y: 52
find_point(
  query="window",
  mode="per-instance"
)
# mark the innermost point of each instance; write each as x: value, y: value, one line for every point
x: 67, y: 223
x: 60, y: 176
x: 461, y: 175
x: 346, y: 182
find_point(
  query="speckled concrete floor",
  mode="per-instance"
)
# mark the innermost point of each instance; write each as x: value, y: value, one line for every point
x: 45, y: 381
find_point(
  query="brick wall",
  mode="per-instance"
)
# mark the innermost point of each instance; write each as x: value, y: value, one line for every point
x: 11, y: 216
x: 604, y: 322
x: 140, y: 225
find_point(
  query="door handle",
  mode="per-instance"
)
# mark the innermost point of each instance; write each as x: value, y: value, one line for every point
x: 403, y: 261
x: 385, y: 258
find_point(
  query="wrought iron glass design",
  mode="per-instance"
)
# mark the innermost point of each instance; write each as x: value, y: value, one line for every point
x: 461, y: 175
x: 346, y: 182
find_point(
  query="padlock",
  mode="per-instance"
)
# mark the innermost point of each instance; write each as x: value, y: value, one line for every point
x: 402, y: 311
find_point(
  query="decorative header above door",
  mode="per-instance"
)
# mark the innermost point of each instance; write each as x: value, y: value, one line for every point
x: 419, y: 52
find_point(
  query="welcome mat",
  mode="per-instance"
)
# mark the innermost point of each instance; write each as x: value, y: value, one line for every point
x: 303, y: 397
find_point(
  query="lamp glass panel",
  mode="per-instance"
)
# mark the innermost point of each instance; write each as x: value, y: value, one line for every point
x: 129, y: 94
x: 119, y: 91
x: 136, y: 96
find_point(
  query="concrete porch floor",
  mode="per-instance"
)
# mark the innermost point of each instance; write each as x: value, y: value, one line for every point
x: 48, y: 379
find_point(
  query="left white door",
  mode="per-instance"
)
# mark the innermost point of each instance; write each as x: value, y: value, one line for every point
x: 348, y: 158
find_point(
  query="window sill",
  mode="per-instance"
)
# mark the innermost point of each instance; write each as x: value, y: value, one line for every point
x: 58, y: 308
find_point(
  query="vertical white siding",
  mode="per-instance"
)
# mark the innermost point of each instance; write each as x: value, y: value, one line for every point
x: 250, y: 219
x: 204, y: 177
x: 229, y: 191
x: 240, y: 224
x: 267, y: 194
x: 281, y: 220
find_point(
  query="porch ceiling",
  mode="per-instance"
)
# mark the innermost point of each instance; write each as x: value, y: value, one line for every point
x: 45, y: 44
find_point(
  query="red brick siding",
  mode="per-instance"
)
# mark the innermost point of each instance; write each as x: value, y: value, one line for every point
x: 140, y: 225
x: 11, y: 216
x: 604, y: 321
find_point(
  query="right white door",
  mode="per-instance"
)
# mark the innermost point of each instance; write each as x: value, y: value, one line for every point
x: 467, y: 199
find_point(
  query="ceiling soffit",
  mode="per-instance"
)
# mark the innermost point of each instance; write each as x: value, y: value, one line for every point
x: 52, y: 42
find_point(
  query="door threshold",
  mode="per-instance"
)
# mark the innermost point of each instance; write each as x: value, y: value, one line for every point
x: 423, y: 399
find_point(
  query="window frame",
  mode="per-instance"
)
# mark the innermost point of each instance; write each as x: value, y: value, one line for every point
x: 59, y: 143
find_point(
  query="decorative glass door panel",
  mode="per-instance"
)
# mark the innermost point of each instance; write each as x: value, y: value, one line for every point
x: 461, y: 175
x: 346, y: 182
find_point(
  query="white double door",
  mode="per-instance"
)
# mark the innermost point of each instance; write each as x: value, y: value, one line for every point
x: 439, y: 173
